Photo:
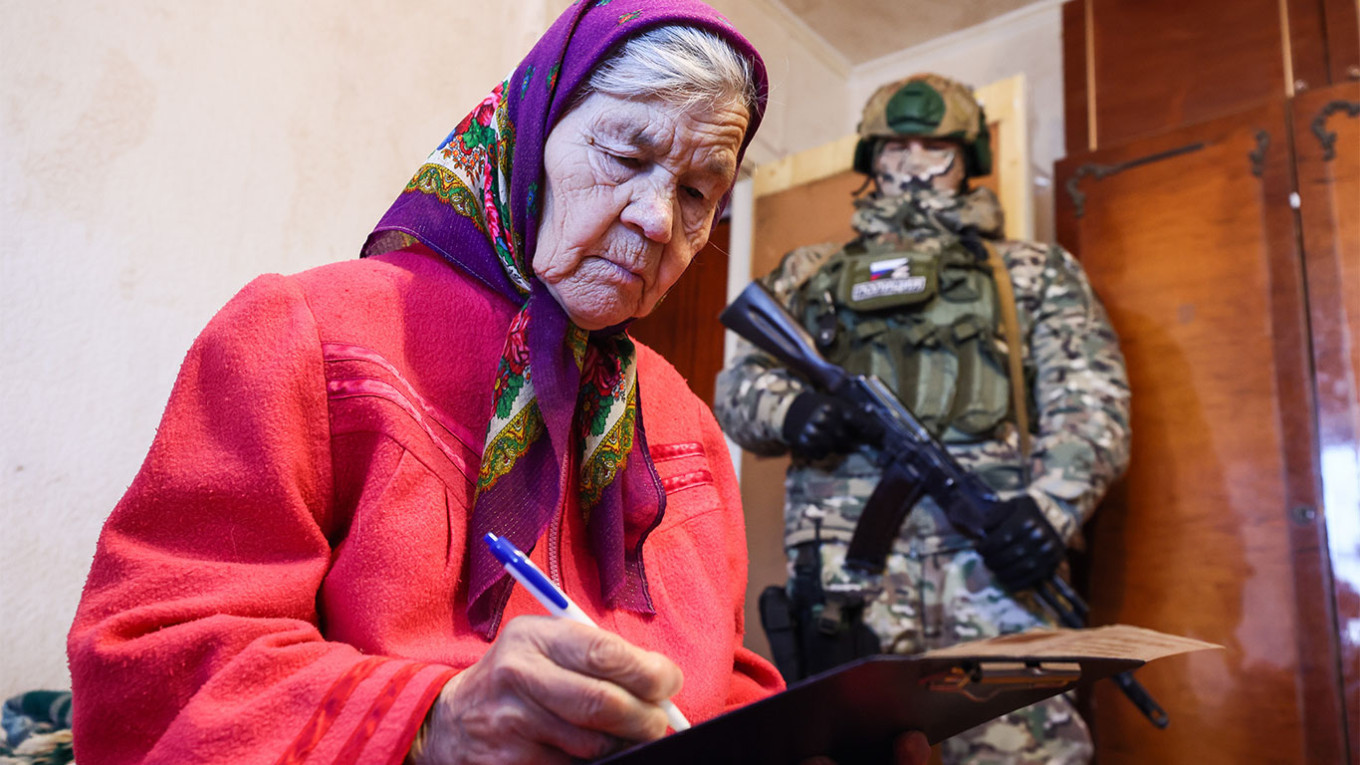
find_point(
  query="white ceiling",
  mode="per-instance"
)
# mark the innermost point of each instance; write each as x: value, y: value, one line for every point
x: 863, y: 30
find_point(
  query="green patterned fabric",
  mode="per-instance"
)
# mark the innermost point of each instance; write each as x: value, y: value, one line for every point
x: 35, y: 729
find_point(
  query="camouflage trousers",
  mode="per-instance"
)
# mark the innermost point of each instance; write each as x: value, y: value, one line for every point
x: 938, y: 600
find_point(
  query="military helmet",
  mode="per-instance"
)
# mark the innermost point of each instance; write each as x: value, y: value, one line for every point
x: 925, y: 105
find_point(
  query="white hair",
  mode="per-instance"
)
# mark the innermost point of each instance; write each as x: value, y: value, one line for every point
x: 679, y: 65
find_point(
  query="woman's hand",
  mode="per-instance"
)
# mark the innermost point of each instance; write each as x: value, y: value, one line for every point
x: 910, y: 748
x: 548, y: 690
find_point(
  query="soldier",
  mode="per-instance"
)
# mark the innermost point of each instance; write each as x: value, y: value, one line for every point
x: 1042, y: 417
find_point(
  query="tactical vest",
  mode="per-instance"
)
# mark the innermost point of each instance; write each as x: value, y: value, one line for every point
x: 926, y: 320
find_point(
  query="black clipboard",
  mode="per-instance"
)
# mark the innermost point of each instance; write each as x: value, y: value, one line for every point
x: 854, y: 712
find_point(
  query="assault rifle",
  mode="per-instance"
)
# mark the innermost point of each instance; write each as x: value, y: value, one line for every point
x: 914, y: 463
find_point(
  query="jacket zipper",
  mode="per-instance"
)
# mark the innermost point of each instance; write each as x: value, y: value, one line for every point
x: 555, y: 547
x: 555, y: 531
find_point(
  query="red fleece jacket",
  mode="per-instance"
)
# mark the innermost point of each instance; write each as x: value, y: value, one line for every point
x: 283, y: 581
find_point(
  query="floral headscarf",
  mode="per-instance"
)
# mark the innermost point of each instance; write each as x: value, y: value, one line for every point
x: 563, y: 396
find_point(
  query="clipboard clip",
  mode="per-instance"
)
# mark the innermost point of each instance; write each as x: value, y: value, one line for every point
x: 983, y: 680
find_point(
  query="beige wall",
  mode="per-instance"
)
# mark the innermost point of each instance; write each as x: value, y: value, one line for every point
x: 809, y: 100
x: 156, y: 155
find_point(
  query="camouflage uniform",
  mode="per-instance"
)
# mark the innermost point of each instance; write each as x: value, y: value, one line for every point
x: 936, y: 591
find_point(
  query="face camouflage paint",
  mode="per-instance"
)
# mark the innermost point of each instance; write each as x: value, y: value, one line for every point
x: 916, y: 163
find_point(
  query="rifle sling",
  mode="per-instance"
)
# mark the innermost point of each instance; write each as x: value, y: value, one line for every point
x: 1014, y: 352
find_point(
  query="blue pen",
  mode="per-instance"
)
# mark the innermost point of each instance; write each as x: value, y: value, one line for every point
x: 526, y: 573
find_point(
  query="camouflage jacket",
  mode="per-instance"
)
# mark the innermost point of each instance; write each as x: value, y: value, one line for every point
x: 1079, y: 392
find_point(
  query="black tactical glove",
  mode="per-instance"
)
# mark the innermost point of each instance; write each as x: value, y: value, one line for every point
x: 817, y: 425
x: 1022, y: 549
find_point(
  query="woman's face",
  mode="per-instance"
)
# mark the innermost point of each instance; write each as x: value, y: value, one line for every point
x: 632, y: 187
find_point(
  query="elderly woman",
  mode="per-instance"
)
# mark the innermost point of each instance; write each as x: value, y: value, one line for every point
x: 296, y: 573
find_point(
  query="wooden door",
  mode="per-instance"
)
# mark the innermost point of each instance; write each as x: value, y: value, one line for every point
x: 1327, y: 148
x: 1137, y: 67
x: 1132, y: 68
x: 1189, y: 239
x: 684, y: 328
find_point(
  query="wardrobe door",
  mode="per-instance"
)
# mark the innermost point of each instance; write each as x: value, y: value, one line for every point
x: 1188, y: 237
x: 1136, y: 67
x: 1132, y: 68
x: 1327, y: 150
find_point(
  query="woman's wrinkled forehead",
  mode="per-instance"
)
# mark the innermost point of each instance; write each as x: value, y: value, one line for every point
x: 652, y: 126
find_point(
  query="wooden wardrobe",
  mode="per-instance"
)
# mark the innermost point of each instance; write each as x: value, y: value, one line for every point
x: 1212, y: 192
